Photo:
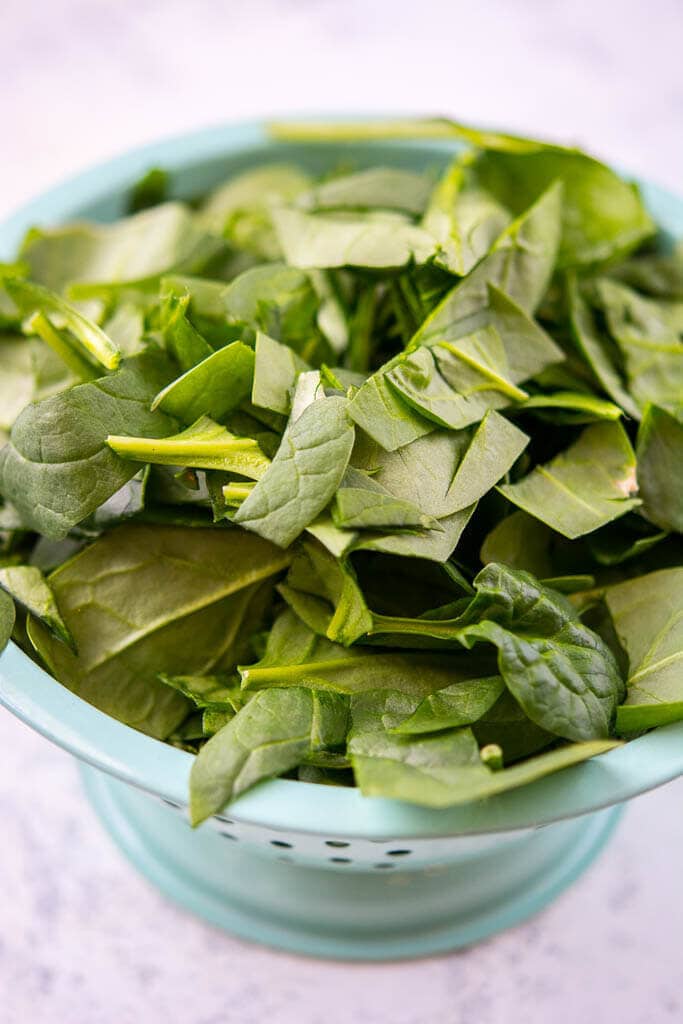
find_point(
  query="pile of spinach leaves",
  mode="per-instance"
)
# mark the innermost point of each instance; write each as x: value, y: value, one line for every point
x: 368, y: 478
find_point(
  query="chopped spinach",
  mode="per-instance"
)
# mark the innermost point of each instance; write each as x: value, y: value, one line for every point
x: 369, y: 477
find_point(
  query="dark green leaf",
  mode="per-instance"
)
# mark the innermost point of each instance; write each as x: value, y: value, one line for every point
x: 58, y: 467
x: 659, y: 453
x: 304, y: 475
x: 584, y: 487
x: 144, y: 600
x: 648, y: 616
x: 273, y: 733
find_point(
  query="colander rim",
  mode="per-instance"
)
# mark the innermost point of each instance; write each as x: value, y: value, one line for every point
x: 36, y: 698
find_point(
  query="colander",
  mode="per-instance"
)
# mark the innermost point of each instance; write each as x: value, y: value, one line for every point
x: 309, y: 868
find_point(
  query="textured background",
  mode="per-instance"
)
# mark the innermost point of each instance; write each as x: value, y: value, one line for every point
x: 83, y: 940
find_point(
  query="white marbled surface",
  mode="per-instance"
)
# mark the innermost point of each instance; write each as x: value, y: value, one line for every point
x: 83, y: 939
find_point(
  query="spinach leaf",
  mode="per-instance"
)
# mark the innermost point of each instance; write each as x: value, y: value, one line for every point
x: 361, y: 503
x: 276, y: 369
x: 464, y: 219
x: 273, y: 733
x: 648, y: 333
x: 455, y: 382
x: 325, y: 594
x: 204, y: 445
x: 279, y: 301
x: 457, y: 705
x: 144, y: 600
x: 16, y: 379
x: 519, y: 264
x: 240, y: 210
x: 296, y: 656
x: 427, y: 770
x: 137, y: 248
x: 378, y: 239
x: 94, y: 342
x: 647, y: 613
x: 385, y: 188
x: 212, y: 693
x: 29, y: 588
x: 304, y: 475
x: 181, y: 338
x: 215, y: 387
x: 563, y: 675
x: 57, y: 468
x: 380, y: 411
x: 584, y: 487
x: 593, y: 347
x: 659, y: 453
x: 7, y: 617
x: 521, y: 542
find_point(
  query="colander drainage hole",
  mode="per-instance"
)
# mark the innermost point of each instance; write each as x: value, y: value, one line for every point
x: 384, y: 865
x: 340, y: 860
x: 228, y: 835
x: 336, y: 843
x: 281, y: 843
x: 398, y: 853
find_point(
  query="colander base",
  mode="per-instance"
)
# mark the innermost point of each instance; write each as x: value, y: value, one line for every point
x: 359, y: 915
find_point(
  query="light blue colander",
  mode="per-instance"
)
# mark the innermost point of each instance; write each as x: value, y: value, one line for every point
x: 317, y: 869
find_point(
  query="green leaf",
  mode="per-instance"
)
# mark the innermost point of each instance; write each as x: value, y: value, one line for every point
x: 659, y: 452
x: 520, y: 264
x: 131, y: 250
x: 241, y: 208
x: 563, y: 675
x: 648, y: 332
x: 381, y: 412
x: 325, y: 594
x: 296, y: 656
x: 32, y: 298
x: 457, y: 705
x: 376, y: 239
x: 521, y: 542
x: 144, y: 600
x: 7, y: 617
x: 361, y: 503
x: 29, y: 588
x: 387, y: 188
x: 464, y: 219
x: 272, y: 734
x: 207, y: 692
x: 603, y: 216
x: 204, y: 445
x: 304, y: 475
x: 427, y: 770
x: 276, y: 370
x: 495, y: 446
x: 149, y: 190
x: 647, y: 613
x: 584, y: 487
x: 16, y: 379
x: 454, y: 382
x: 621, y: 541
x: 181, y: 338
x: 214, y: 387
x: 57, y: 468
x: 508, y: 727
x: 279, y: 301
x: 593, y: 347
x: 573, y: 407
